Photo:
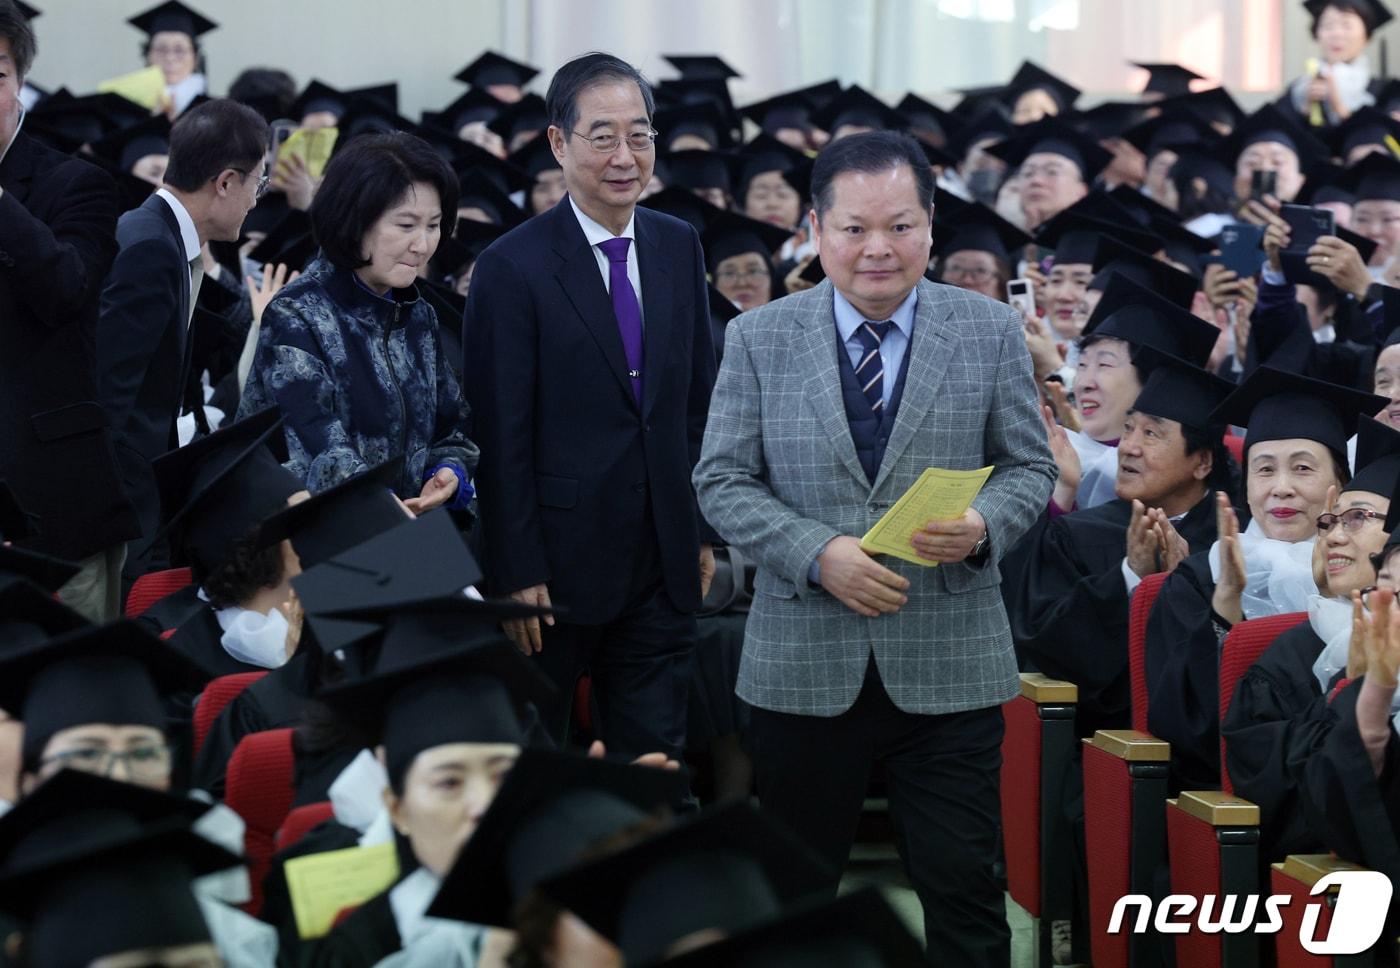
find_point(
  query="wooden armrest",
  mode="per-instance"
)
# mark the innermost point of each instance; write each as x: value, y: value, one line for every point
x: 1311, y: 868
x: 1042, y: 689
x: 1217, y: 808
x: 1131, y: 745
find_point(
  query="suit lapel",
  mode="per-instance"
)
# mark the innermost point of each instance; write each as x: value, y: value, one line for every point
x: 930, y: 349
x: 583, y: 286
x: 18, y: 168
x: 823, y: 385
x: 657, y: 323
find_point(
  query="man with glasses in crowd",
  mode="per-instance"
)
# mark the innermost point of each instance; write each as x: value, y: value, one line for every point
x: 217, y: 170
x: 588, y: 364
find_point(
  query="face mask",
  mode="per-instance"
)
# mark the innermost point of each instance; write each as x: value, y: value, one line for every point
x: 253, y: 637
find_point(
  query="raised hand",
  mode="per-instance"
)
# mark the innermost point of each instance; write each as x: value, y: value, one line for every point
x: 1066, y: 460
x: 1233, y: 574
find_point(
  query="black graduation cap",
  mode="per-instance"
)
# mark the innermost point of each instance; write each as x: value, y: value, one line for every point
x: 1203, y: 163
x: 216, y: 490
x: 1143, y: 209
x: 790, y: 109
x: 1175, y: 128
x: 26, y: 11
x: 551, y: 808
x: 337, y: 519
x: 434, y: 685
x: 505, y: 175
x: 1076, y: 233
x: 1054, y: 136
x: 1214, y: 106
x: 672, y: 93
x: 30, y: 615
x: 856, y: 106
x: 1137, y: 315
x: 1388, y: 95
x: 478, y: 189
x: 526, y: 115
x: 1031, y: 77
x: 683, y: 204
x: 813, y: 272
x: 729, y: 234
x: 1274, y: 404
x: 701, y: 66
x: 976, y: 227
x: 728, y: 867
x: 986, y: 124
x: 1373, y: 13
x: 172, y: 16
x: 534, y: 158
x: 1366, y: 126
x: 126, y: 147
x: 1177, y: 389
x: 1271, y: 124
x: 17, y: 524
x: 474, y: 105
x: 88, y: 860
x: 1168, y: 80
x: 1377, y: 457
x: 114, y: 673
x: 856, y: 930
x: 720, y: 306
x: 975, y: 100
x: 693, y: 168
x: 318, y: 96
x: 368, y: 112
x: 289, y: 241
x: 925, y: 116
x: 1182, y: 246
x: 1374, y: 177
x: 83, y: 120
x: 705, y: 120
x: 452, y: 257
x: 491, y: 69
x: 765, y: 153
x: 1117, y: 257
x: 1111, y: 119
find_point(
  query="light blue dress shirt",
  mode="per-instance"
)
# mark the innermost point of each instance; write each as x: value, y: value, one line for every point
x: 892, y: 347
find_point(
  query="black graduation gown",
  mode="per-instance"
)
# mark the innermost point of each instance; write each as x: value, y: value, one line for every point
x: 363, y: 939
x: 173, y: 610
x: 292, y: 952
x: 275, y: 701
x: 1183, y: 674
x: 1068, y: 604
x: 201, y: 638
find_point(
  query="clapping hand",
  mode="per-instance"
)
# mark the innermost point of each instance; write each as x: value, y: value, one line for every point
x: 1066, y: 460
x: 1153, y: 542
x: 1229, y: 587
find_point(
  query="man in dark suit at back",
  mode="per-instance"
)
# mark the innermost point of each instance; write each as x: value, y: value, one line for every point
x: 216, y: 174
x: 588, y: 364
x: 57, y: 219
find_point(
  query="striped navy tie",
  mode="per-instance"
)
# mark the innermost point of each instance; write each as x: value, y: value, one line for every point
x: 870, y: 371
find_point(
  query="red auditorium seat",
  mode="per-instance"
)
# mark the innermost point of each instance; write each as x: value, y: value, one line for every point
x: 301, y: 821
x: 259, y: 787
x: 216, y: 696
x: 1295, y: 877
x: 151, y: 588
x: 1036, y: 758
x: 1140, y: 608
x: 1235, y: 445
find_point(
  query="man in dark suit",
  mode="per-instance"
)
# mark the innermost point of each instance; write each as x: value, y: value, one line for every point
x: 215, y: 176
x: 588, y: 364
x: 57, y: 219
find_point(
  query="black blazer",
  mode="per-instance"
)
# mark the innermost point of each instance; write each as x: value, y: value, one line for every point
x: 569, y: 465
x: 141, y: 347
x: 57, y: 219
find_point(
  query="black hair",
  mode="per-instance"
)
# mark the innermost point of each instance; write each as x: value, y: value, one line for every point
x: 1362, y: 10
x: 248, y: 569
x: 214, y: 137
x: 364, y: 180
x: 265, y: 84
x: 15, y: 28
x: 1224, y: 472
x: 870, y: 152
x: 561, y: 100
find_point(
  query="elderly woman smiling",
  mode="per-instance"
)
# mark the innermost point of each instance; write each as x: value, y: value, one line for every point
x: 350, y: 351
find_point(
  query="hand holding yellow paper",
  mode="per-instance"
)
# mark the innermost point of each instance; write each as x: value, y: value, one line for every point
x: 938, y: 495
x: 145, y: 87
x: 322, y: 885
x: 312, y: 145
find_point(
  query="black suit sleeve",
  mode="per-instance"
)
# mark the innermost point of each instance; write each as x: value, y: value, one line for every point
x: 57, y: 266
x: 499, y: 367
x: 141, y: 296
x: 702, y: 375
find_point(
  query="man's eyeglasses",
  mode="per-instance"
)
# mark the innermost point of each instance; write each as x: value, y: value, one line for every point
x: 1352, y: 521
x: 728, y: 276
x: 147, y: 762
x: 973, y: 273
x: 608, y: 143
x: 262, y: 181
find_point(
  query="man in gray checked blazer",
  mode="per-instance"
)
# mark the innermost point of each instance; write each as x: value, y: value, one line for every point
x: 829, y: 405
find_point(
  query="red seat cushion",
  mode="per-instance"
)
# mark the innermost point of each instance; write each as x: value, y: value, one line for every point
x: 1235, y: 445
x: 1141, y: 607
x: 1020, y: 813
x: 216, y: 696
x: 1244, y: 645
x: 1195, y: 869
x: 151, y: 588
x: 1108, y: 823
x: 301, y: 821
x: 259, y: 787
x: 1290, y: 952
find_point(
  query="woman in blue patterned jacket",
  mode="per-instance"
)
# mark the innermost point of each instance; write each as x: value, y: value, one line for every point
x: 350, y: 350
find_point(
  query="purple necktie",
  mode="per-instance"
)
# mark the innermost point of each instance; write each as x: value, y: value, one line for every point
x: 629, y: 314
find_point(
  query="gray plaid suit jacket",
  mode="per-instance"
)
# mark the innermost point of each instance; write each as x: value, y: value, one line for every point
x: 778, y: 477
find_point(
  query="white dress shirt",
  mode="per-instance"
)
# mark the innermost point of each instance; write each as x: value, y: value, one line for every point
x: 596, y: 234
x: 189, y: 236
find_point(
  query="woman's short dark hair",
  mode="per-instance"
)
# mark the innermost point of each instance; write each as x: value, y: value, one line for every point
x: 247, y: 570
x: 569, y: 81
x: 213, y: 137
x: 868, y: 153
x: 1362, y: 10
x: 15, y: 28
x: 268, y: 88
x: 1224, y: 472
x: 364, y: 180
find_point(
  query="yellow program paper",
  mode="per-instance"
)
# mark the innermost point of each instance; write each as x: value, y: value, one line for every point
x: 938, y: 495
x: 323, y: 885
x: 144, y: 87
x: 313, y: 145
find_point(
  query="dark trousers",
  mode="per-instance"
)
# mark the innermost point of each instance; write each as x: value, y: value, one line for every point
x: 943, y: 774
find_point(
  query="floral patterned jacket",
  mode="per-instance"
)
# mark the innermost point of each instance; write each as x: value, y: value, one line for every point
x: 360, y: 379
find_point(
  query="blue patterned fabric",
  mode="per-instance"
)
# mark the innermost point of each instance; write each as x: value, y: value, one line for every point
x: 359, y: 378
